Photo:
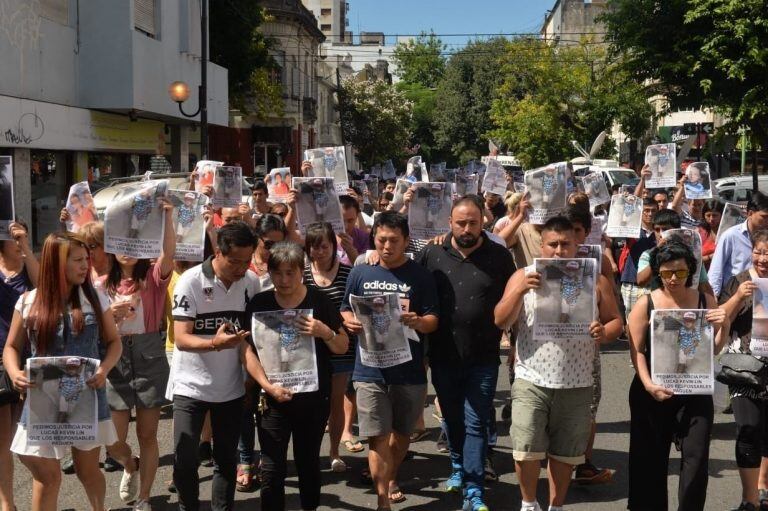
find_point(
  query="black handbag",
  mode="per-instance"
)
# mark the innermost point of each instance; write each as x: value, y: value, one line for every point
x: 742, y: 369
x: 6, y: 385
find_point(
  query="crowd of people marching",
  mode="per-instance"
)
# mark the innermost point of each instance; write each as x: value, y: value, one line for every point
x: 170, y: 333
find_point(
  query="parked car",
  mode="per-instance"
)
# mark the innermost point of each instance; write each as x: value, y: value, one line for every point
x: 611, y: 172
x: 737, y: 188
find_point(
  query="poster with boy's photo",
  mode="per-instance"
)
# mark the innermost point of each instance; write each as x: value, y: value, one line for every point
x: 62, y: 407
x: 466, y: 184
x: 758, y: 344
x: 594, y: 186
x: 495, y: 179
x: 692, y: 239
x: 595, y: 236
x: 398, y: 198
x: 133, y: 221
x: 591, y: 252
x: 317, y: 201
x: 546, y: 187
x: 372, y: 184
x: 204, y: 173
x: 7, y: 212
x: 330, y: 162
x: 625, y: 216
x: 733, y: 214
x: 383, y: 341
x: 375, y: 171
x: 682, y: 345
x: 564, y: 303
x: 279, y: 183
x: 388, y: 170
x: 287, y: 356
x: 698, y: 184
x: 662, y: 162
x: 80, y: 206
x: 437, y: 171
x: 189, y: 224
x: 416, y: 170
x: 227, y: 187
x: 430, y: 210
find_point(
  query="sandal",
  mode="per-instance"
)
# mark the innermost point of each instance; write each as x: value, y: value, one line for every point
x: 419, y: 434
x: 395, y: 495
x: 353, y: 445
x: 244, y: 471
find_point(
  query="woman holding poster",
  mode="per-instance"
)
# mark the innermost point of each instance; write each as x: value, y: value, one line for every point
x: 655, y: 410
x: 87, y: 330
x: 749, y: 404
x: 301, y: 415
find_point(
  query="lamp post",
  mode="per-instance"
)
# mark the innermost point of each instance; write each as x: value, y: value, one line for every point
x: 179, y: 91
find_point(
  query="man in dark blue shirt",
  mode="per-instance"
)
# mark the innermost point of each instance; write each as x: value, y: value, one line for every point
x: 389, y: 400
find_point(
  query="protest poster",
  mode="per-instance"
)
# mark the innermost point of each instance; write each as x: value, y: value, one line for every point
x: 330, y: 162
x: 372, y: 185
x: 594, y: 186
x: 662, y: 162
x: 591, y: 252
x: 287, y: 356
x: 189, y: 224
x: 564, y: 303
x: 204, y: 173
x: 228, y: 187
x: 388, y: 170
x: 437, y: 171
x: 466, y: 184
x: 317, y: 201
x: 682, y: 351
x: 733, y: 214
x: 375, y: 171
x: 278, y: 183
x: 383, y: 342
x: 495, y: 178
x: 398, y: 198
x: 519, y: 187
x: 416, y: 170
x: 80, y: 206
x: 628, y: 189
x: 698, y: 184
x: 430, y: 210
x: 758, y: 344
x: 133, y: 221
x: 692, y: 239
x: 546, y: 187
x: 595, y: 236
x: 62, y: 407
x: 7, y: 212
x: 625, y: 216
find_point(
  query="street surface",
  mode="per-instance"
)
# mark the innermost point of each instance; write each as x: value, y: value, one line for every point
x: 421, y: 478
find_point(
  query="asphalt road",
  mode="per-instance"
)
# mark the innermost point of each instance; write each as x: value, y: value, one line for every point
x: 422, y: 477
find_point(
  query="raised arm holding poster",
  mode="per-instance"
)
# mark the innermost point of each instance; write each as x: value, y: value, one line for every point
x: 189, y: 224
x: 430, y: 210
x: 7, y: 213
x: 565, y: 301
x: 495, y: 178
x: 287, y: 356
x: 758, y: 344
x: 382, y: 342
x: 279, y: 184
x: 625, y: 216
x: 80, y: 206
x: 733, y: 214
x: 682, y: 351
x: 594, y: 186
x: 546, y: 187
x: 317, y: 201
x: 692, y: 239
x: 62, y: 407
x: 662, y: 162
x: 698, y: 184
x: 227, y: 187
x: 133, y: 221
x: 330, y: 162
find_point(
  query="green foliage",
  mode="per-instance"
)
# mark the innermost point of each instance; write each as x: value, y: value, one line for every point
x: 420, y: 60
x: 375, y: 119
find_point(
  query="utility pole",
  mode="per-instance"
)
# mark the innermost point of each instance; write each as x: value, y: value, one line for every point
x: 204, y: 79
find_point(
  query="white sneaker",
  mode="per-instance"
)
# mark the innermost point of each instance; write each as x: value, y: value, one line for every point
x: 338, y: 465
x: 142, y: 505
x: 129, y: 485
x: 534, y: 507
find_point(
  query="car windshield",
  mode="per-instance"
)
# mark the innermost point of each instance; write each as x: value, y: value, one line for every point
x: 624, y: 177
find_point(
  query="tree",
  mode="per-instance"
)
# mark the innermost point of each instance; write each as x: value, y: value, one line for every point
x: 551, y: 95
x: 375, y: 119
x: 420, y: 60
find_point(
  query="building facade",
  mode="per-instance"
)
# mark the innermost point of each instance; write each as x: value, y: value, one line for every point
x: 332, y: 19
x: 569, y: 20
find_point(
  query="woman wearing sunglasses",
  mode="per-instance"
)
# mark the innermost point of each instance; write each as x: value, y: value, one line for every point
x: 750, y: 405
x: 658, y: 416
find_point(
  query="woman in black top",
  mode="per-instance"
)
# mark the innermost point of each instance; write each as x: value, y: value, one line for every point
x: 302, y: 415
x: 658, y: 416
x: 750, y: 405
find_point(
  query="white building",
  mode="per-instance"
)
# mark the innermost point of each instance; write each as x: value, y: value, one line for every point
x: 332, y: 18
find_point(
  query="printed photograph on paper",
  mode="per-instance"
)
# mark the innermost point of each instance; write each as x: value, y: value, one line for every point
x: 279, y: 183
x: 733, y: 214
x: 690, y: 238
x: 625, y: 216
x: 375, y: 171
x: 62, y: 407
x: 546, y: 187
x: 382, y: 342
x: 564, y: 304
x: 398, y: 198
x: 466, y: 184
x: 594, y: 186
x: 80, y: 206
x: 591, y: 252
x: 372, y: 185
x: 681, y: 351
x: 133, y: 221
x: 437, y: 171
x: 698, y: 185
x: 204, y: 174
x: 7, y: 212
x: 388, y: 170
x: 189, y: 224
x: 495, y: 179
x: 595, y: 236
x: 317, y: 201
x: 227, y: 187
x: 430, y: 210
x: 758, y: 344
x: 662, y: 162
x: 288, y: 357
x: 330, y: 162
x: 416, y: 170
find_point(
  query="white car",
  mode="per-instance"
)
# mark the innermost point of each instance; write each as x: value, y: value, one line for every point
x: 738, y: 188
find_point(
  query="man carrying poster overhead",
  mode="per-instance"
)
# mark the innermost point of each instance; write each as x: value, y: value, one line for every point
x: 552, y: 393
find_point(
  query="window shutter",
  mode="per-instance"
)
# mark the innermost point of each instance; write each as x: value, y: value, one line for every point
x: 144, y: 15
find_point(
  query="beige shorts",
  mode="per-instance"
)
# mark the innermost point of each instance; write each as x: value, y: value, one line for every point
x: 382, y: 409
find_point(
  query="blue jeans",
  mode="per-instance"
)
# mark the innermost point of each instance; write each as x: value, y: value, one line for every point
x: 466, y: 398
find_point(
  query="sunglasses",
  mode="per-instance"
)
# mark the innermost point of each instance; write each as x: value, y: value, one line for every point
x: 680, y: 274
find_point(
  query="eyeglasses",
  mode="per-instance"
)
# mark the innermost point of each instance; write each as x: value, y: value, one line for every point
x: 667, y: 274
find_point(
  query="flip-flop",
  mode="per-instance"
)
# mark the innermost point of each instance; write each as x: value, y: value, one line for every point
x: 418, y: 435
x: 353, y: 445
x: 395, y: 495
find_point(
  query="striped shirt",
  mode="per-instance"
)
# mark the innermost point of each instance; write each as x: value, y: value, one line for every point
x: 335, y: 292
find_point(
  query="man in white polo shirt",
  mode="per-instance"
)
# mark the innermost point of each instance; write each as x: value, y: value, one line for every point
x: 210, y: 326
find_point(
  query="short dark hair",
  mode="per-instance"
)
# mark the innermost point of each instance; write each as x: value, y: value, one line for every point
x: 557, y: 224
x: 260, y: 185
x: 390, y: 181
x: 235, y: 234
x: 672, y: 251
x: 713, y: 205
x: 347, y: 201
x: 391, y: 220
x: 758, y: 202
x: 268, y: 223
x: 470, y: 198
x: 667, y: 218
x: 648, y: 201
x: 577, y: 214
x: 318, y: 232
x: 286, y: 252
x: 657, y: 191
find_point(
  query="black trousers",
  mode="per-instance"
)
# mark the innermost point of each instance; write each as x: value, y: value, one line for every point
x: 188, y: 417
x: 304, y: 418
x: 751, y: 417
x: 686, y: 420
